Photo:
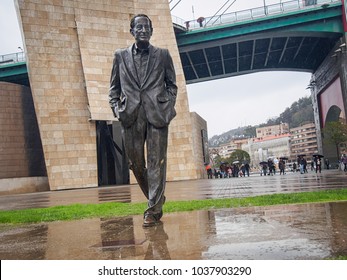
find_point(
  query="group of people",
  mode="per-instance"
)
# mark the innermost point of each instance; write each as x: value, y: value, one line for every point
x: 228, y: 170
x: 301, y: 165
x: 269, y: 167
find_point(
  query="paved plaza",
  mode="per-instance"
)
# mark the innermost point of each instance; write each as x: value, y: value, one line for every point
x: 306, y: 231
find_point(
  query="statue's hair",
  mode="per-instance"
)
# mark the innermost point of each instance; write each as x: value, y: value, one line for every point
x: 132, y: 21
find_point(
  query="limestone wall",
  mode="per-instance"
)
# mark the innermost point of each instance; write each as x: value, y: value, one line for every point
x: 17, y: 185
x: 199, y: 124
x: 69, y: 47
x: 20, y: 146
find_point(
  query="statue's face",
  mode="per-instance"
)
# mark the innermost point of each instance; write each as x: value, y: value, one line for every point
x: 142, y: 30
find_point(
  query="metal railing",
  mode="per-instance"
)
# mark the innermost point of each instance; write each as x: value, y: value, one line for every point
x: 12, y: 58
x: 251, y: 14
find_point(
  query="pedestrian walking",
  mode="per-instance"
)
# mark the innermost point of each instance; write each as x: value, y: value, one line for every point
x: 208, y: 171
x: 318, y: 163
x: 282, y: 166
x: 327, y: 163
x: 344, y: 161
x: 247, y: 169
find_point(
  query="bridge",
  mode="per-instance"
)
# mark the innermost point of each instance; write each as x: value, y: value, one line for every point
x: 284, y: 36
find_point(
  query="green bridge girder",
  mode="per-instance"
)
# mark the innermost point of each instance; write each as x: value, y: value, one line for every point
x: 16, y: 73
x: 295, y: 41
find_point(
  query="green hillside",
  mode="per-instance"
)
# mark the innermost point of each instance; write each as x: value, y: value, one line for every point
x: 298, y: 113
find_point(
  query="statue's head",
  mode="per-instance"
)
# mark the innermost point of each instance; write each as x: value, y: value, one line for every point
x: 141, y: 28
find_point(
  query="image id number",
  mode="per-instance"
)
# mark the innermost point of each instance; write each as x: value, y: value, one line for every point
x: 215, y: 270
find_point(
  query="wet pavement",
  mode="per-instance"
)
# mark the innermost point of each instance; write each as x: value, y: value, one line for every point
x: 305, y: 231
x: 184, y: 190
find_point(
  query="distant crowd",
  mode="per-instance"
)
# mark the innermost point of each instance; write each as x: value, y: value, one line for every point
x: 268, y: 168
x: 228, y: 170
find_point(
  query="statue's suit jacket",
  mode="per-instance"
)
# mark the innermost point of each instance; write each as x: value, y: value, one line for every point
x: 156, y: 92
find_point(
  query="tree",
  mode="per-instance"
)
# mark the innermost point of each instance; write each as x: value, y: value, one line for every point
x: 304, y: 115
x: 215, y: 157
x: 335, y: 133
x: 239, y: 155
x: 286, y: 116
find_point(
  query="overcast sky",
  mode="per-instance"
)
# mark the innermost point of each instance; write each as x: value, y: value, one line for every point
x: 225, y: 103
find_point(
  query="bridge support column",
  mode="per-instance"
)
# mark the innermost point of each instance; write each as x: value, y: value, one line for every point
x: 70, y: 47
x: 343, y: 71
x: 329, y: 93
x: 316, y: 116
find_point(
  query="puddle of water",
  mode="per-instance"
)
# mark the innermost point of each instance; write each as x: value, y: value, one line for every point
x: 311, y: 231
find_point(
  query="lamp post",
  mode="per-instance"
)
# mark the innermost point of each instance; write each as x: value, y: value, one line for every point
x: 20, y: 56
x: 265, y: 12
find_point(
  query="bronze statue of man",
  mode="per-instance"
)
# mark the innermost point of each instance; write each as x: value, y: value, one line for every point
x: 142, y: 96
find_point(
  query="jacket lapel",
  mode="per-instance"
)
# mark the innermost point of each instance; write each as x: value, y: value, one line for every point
x: 153, y: 55
x: 130, y: 64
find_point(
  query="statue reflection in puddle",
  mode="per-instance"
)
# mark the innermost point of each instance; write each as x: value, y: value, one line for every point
x: 120, y: 240
x: 157, y: 247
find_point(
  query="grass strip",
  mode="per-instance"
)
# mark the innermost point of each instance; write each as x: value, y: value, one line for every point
x: 114, y: 209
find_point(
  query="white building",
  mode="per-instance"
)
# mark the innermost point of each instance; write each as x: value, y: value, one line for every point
x: 260, y: 149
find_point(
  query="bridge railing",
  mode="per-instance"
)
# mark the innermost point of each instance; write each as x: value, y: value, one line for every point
x: 12, y: 58
x: 251, y: 14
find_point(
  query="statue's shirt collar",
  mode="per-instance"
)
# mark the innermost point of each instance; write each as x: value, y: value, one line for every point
x: 137, y: 50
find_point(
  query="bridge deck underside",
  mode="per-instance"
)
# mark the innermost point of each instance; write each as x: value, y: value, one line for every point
x: 296, y: 41
x: 297, y: 53
x: 14, y: 73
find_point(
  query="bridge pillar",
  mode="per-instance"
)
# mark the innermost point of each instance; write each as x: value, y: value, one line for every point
x: 343, y: 72
x: 329, y: 94
x: 21, y: 154
x: 69, y: 47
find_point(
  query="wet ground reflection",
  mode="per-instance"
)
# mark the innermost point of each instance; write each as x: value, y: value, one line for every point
x: 309, y: 231
x: 184, y: 190
x: 280, y: 232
